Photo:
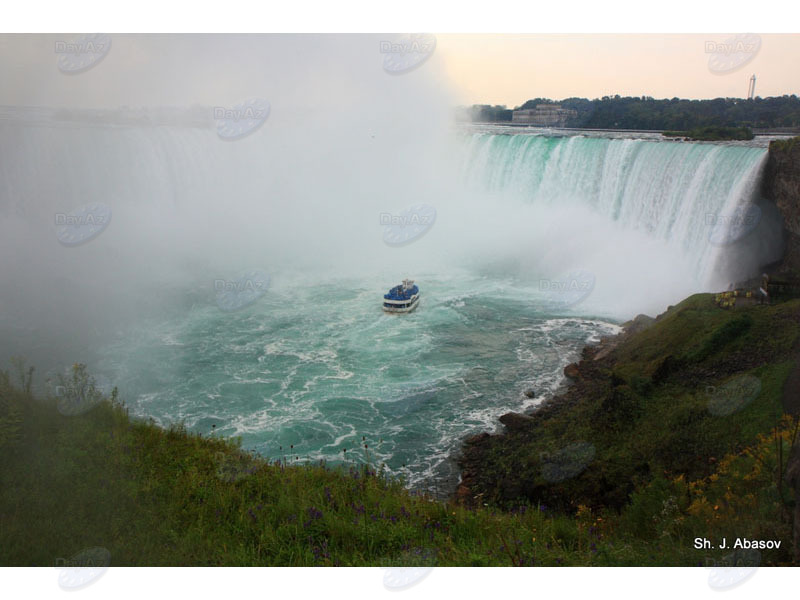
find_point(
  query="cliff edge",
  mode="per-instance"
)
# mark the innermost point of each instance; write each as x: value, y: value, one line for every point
x: 781, y: 185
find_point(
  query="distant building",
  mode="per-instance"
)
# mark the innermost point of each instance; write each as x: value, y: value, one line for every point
x: 544, y: 115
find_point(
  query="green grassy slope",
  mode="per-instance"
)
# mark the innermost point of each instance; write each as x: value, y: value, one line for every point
x: 660, y: 463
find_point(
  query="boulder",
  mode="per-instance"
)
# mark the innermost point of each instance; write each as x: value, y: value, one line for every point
x: 516, y: 421
x: 571, y: 371
x: 638, y: 323
x: 529, y: 393
x: 476, y: 439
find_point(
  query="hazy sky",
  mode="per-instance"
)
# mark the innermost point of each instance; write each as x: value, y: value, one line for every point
x: 176, y: 70
x: 511, y: 68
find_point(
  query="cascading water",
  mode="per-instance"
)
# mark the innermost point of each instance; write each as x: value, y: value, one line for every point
x: 314, y: 363
x: 675, y: 192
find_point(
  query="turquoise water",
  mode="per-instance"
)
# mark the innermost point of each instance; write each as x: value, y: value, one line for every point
x: 313, y: 366
x: 287, y: 371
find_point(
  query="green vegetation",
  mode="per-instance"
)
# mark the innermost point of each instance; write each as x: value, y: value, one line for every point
x: 675, y: 114
x: 660, y: 471
x: 669, y: 402
x: 784, y: 145
x: 714, y: 133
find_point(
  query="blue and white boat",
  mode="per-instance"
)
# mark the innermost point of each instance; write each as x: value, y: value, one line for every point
x: 402, y: 298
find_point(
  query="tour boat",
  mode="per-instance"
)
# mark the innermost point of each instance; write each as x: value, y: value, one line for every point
x: 402, y: 298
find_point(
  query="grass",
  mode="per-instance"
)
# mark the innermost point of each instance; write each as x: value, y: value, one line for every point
x: 784, y: 145
x: 713, y: 133
x: 701, y: 384
x: 155, y: 496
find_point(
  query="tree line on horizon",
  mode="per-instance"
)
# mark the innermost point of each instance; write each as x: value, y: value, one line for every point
x: 645, y: 112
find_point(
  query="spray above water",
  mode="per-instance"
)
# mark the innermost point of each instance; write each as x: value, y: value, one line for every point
x: 303, y: 354
x: 78, y: 56
x: 654, y: 221
x: 408, y: 225
x: 82, y: 224
x: 567, y: 290
x: 236, y: 295
x: 242, y: 119
x: 407, y: 53
x: 728, y: 229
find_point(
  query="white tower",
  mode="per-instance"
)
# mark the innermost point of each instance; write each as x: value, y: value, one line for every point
x: 751, y: 90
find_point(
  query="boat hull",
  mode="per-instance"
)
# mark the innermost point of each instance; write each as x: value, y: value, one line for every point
x: 406, y: 306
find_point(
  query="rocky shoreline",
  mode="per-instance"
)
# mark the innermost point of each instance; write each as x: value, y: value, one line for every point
x: 602, y: 389
x: 583, y: 376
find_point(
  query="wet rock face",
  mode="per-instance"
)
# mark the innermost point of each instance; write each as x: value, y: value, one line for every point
x: 476, y: 439
x: 571, y: 371
x: 781, y: 184
x: 516, y: 421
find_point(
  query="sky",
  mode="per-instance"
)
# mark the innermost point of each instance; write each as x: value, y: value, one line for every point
x: 511, y: 68
x: 181, y: 70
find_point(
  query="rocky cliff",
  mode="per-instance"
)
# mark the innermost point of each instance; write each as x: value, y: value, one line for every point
x: 668, y: 396
x: 781, y: 184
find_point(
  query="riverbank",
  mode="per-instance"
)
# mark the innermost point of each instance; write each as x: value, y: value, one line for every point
x: 638, y: 458
x: 662, y: 402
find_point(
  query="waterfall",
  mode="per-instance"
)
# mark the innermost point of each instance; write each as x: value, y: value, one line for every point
x: 678, y: 192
